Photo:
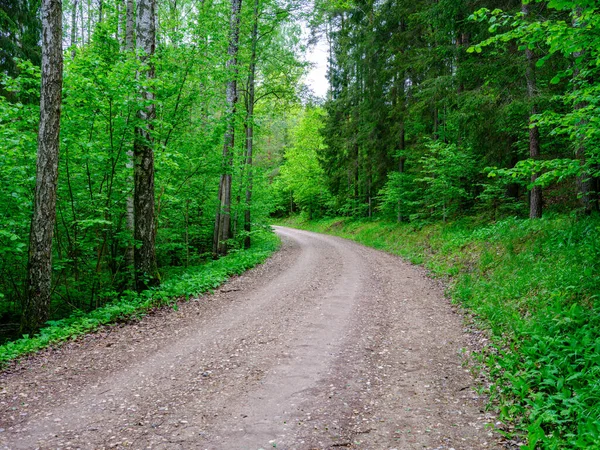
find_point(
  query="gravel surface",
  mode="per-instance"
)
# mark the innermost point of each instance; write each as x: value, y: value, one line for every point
x: 327, y: 345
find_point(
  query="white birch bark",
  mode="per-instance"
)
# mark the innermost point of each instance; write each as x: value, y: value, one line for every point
x: 146, y: 274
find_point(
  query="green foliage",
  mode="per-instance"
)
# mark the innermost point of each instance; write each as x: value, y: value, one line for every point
x: 130, y: 305
x: 446, y: 171
x: 438, y: 188
x: 406, y: 74
x: 21, y: 32
x: 564, y: 34
x: 92, y: 239
x: 301, y: 175
x: 534, y: 285
x: 398, y: 199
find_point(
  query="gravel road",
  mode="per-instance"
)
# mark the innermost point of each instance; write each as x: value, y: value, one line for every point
x: 327, y: 345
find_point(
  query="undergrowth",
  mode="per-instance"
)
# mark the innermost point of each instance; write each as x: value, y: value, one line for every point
x: 535, y: 285
x: 177, y: 286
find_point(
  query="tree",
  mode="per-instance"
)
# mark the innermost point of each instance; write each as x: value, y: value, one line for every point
x: 129, y: 25
x: 20, y: 33
x: 146, y: 272
x: 570, y: 62
x: 222, y: 230
x: 301, y: 174
x: 129, y: 208
x: 249, y: 125
x: 535, y: 195
x: 182, y: 116
x: 588, y: 198
x: 39, y: 273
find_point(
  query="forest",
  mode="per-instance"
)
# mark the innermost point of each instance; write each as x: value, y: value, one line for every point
x: 149, y: 115
x: 146, y: 146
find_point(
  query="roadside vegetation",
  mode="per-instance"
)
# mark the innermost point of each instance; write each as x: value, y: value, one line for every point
x: 464, y: 135
x: 460, y: 134
x: 534, y: 286
x: 180, y: 284
x: 157, y: 165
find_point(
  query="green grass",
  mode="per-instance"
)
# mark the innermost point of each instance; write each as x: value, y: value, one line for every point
x: 534, y: 285
x: 178, y: 285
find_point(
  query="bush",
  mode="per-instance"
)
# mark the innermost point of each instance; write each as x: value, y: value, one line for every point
x: 194, y: 281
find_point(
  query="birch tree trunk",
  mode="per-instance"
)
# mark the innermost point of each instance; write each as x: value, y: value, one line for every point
x: 39, y: 273
x: 146, y: 274
x: 82, y: 22
x: 250, y: 126
x: 129, y: 208
x: 223, y: 218
x: 535, y: 195
x: 89, y: 21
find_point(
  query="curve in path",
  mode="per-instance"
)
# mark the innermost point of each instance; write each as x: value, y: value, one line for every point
x: 329, y: 344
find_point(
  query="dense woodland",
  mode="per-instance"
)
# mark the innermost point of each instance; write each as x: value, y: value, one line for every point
x: 436, y: 109
x: 441, y: 108
x: 159, y: 104
x: 145, y: 138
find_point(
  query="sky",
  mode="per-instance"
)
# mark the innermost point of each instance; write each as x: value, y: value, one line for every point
x: 317, y: 76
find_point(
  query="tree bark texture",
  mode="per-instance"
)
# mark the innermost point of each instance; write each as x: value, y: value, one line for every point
x: 74, y: 29
x: 129, y: 24
x: 535, y: 196
x: 89, y: 21
x: 250, y: 127
x: 39, y: 273
x: 82, y: 22
x: 223, y: 218
x: 146, y: 274
x: 129, y: 207
x: 118, y: 32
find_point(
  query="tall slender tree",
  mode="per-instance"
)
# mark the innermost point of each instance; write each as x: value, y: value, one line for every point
x: 129, y: 24
x: 584, y: 180
x: 39, y: 274
x: 129, y: 208
x: 74, y: 29
x: 146, y: 273
x: 249, y: 125
x: 535, y: 195
x: 222, y: 231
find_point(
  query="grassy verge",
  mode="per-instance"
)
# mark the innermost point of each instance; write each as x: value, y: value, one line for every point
x: 191, y: 282
x: 535, y: 286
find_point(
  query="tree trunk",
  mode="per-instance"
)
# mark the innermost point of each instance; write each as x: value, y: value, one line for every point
x: 223, y: 218
x: 250, y: 126
x: 74, y: 29
x: 89, y: 21
x: 82, y: 23
x: 129, y: 23
x: 118, y: 30
x: 584, y: 183
x: 129, y: 207
x: 535, y: 196
x: 39, y: 273
x: 187, y: 233
x: 146, y: 274
x: 401, y: 169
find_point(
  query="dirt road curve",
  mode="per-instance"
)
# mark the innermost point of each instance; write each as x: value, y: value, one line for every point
x: 327, y: 345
